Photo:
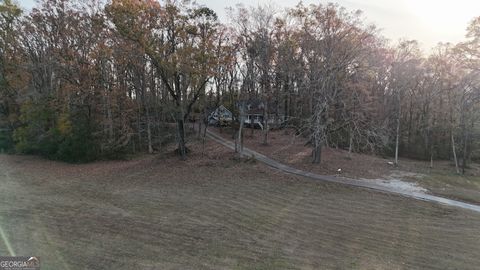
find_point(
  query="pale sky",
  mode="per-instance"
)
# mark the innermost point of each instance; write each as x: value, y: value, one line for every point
x: 428, y: 21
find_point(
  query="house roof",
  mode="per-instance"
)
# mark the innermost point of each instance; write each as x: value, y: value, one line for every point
x: 253, y: 102
x: 220, y: 109
x: 255, y: 111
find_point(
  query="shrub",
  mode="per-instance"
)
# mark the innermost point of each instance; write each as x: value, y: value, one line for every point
x: 6, y: 141
x: 62, y: 136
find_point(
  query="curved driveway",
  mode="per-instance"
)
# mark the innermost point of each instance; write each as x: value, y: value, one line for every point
x: 346, y: 181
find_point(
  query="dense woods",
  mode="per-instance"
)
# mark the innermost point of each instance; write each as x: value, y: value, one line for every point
x: 82, y: 80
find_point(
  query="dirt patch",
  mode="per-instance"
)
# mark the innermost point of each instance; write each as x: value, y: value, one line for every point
x: 290, y: 149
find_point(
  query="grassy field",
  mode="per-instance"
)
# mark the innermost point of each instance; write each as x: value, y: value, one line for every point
x: 452, y: 185
x: 213, y: 212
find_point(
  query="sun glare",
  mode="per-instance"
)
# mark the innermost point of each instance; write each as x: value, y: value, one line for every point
x: 445, y: 15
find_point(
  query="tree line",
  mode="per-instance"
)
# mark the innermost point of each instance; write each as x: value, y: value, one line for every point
x: 82, y: 80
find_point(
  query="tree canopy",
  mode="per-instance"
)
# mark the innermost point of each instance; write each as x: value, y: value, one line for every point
x: 80, y: 80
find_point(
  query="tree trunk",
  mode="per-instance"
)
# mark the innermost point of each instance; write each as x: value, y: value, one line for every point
x: 317, y: 153
x: 397, y: 140
x: 464, y: 154
x: 265, y: 126
x: 139, y: 128
x: 318, y: 129
x: 350, y: 146
x: 455, y: 155
x: 431, y: 155
x: 286, y: 106
x: 204, y: 137
x: 239, y: 140
x: 181, y: 138
x: 149, y: 131
x: 199, y: 128
x: 109, y: 119
x: 431, y: 160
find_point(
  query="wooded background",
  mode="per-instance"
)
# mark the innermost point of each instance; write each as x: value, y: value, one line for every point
x: 81, y: 80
